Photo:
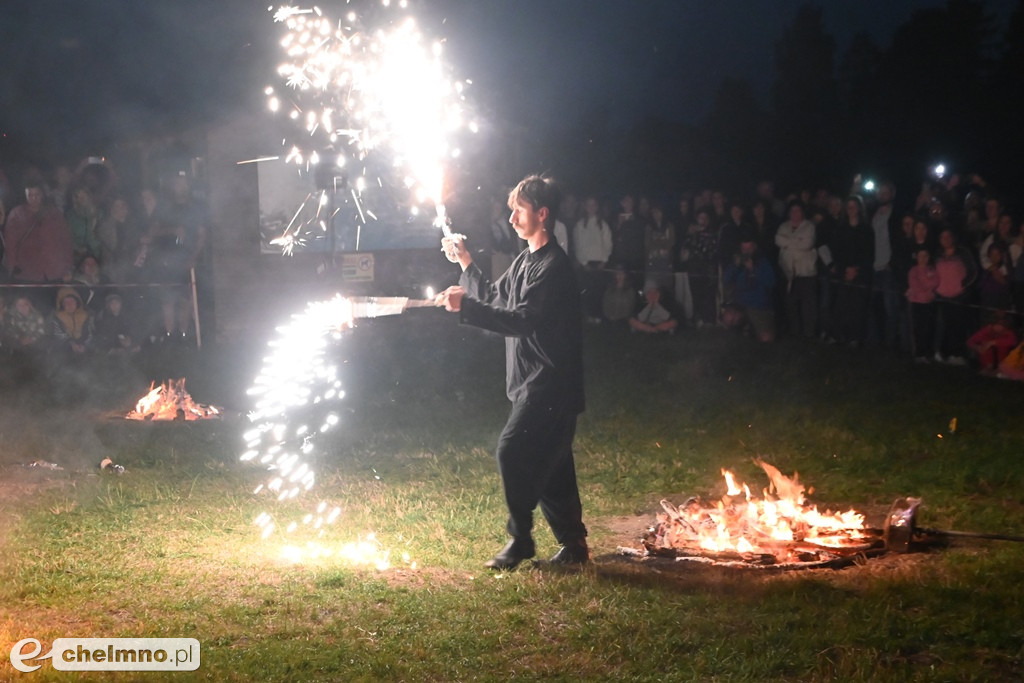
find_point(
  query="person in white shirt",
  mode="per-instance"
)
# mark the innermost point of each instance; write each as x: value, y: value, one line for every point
x: 798, y: 260
x: 592, y: 244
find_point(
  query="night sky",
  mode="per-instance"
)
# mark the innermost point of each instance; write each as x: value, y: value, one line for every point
x: 72, y: 68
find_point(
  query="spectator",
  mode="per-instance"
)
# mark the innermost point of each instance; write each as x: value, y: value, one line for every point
x: 825, y: 226
x: 82, y: 218
x: 628, y: 239
x: 764, y: 227
x: 991, y: 344
x: 798, y: 261
x: 119, y: 240
x: 683, y: 295
x: 957, y: 273
x: 115, y: 333
x: 698, y: 258
x: 71, y: 325
x: 853, y: 255
x: 178, y: 240
x: 659, y: 240
x: 729, y: 233
x: 994, y: 285
x: 25, y: 326
x: 921, y: 283
x: 561, y: 235
x: 885, y: 308
x: 37, y: 240
x: 58, y: 191
x: 766, y: 195
x: 88, y: 282
x: 1012, y: 366
x: 1001, y: 237
x: 619, y: 300
x: 592, y: 241
x: 653, y: 318
x: 1017, y: 272
x: 748, y: 283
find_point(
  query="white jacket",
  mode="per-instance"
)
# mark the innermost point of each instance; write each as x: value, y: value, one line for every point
x: 592, y: 240
x: 797, y: 255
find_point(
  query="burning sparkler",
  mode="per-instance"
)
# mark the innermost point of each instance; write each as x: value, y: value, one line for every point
x: 297, y: 380
x: 355, y: 90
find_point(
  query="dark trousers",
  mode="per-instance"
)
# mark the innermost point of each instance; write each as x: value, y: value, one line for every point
x: 703, y: 289
x: 593, y: 282
x: 954, y: 319
x: 536, y: 465
x: 802, y: 306
x: 850, y: 310
x: 922, y: 320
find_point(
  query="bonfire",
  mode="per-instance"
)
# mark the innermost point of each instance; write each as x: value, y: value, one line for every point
x: 170, y: 401
x: 780, y: 528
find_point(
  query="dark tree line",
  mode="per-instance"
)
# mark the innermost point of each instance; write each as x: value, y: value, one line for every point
x: 947, y: 88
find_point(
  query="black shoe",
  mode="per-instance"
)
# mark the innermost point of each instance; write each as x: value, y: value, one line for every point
x: 572, y: 553
x: 512, y: 554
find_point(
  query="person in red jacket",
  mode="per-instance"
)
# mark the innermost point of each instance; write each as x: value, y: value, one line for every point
x: 37, y: 241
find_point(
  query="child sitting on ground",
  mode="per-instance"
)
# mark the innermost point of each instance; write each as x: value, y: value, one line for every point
x: 114, y: 333
x: 653, y: 318
x: 24, y: 326
x: 619, y: 299
x: 71, y: 325
x: 992, y: 343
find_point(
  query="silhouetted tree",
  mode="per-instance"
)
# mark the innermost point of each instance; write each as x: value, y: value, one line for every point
x: 804, y: 98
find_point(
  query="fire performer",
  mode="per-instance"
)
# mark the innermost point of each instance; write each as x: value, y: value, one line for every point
x: 535, y: 305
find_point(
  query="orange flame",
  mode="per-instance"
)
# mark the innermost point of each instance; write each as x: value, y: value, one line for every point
x: 750, y: 525
x: 170, y: 401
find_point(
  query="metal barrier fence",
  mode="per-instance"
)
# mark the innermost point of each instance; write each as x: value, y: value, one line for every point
x: 190, y: 287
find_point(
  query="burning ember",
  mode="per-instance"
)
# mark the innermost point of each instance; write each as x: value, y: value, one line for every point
x: 170, y: 401
x: 780, y: 529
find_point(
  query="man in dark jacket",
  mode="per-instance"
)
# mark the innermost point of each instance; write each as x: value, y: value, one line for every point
x: 535, y: 305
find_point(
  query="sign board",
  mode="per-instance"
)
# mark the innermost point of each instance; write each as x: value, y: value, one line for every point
x: 357, y: 267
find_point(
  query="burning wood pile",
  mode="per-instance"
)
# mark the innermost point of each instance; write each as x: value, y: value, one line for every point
x: 779, y: 530
x: 170, y: 401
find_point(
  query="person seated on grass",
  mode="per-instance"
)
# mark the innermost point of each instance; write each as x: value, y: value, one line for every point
x: 619, y: 302
x: 653, y: 318
x: 71, y: 326
x: 114, y: 330
x: 749, y: 284
x: 1012, y: 366
x: 992, y: 343
x: 88, y: 279
x: 24, y: 326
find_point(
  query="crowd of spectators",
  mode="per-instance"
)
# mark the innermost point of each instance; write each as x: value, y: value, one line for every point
x: 89, y: 270
x: 937, y: 275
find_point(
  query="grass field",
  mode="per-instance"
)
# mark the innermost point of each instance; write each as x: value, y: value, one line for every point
x: 169, y: 548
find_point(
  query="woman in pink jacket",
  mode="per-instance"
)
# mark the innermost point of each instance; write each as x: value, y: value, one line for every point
x: 922, y: 279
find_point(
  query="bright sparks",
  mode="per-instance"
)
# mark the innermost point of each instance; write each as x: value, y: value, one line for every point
x: 358, y: 90
x: 296, y: 385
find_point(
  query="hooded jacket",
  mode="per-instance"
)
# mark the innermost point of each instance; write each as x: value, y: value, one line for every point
x: 76, y: 326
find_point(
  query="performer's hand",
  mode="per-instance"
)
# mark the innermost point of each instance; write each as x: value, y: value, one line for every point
x: 454, y: 249
x: 451, y: 299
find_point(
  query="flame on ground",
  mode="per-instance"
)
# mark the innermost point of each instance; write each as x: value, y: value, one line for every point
x: 170, y: 401
x: 743, y: 523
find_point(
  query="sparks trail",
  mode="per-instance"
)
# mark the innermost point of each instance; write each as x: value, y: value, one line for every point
x: 294, y: 396
x: 375, y: 106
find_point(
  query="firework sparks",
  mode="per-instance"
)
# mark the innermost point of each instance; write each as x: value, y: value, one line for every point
x: 356, y: 91
x: 296, y: 377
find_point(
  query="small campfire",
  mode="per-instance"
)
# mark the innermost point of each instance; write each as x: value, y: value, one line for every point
x: 780, y: 530
x: 170, y: 401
